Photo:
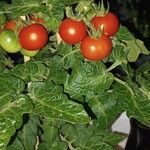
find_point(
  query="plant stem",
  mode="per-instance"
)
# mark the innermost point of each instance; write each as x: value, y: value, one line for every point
x: 69, y: 143
x: 114, y: 65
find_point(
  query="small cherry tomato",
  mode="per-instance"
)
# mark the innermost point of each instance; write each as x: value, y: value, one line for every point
x: 33, y: 37
x: 9, y: 41
x: 72, y: 31
x: 109, y: 23
x: 96, y: 49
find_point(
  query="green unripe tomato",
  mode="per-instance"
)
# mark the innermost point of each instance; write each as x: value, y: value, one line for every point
x: 29, y: 53
x: 9, y: 41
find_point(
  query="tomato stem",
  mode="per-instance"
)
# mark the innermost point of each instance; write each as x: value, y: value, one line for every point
x: 114, y: 65
x: 69, y: 143
x: 69, y: 12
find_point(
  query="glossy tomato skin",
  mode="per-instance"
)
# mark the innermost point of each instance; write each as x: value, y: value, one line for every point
x: 96, y: 49
x: 9, y: 41
x: 33, y: 37
x: 109, y: 23
x: 11, y: 24
x: 72, y: 31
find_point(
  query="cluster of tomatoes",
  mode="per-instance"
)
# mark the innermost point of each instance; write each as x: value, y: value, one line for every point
x: 92, y: 48
x: 28, y: 39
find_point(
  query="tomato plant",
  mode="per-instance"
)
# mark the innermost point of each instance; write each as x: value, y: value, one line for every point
x: 96, y: 49
x: 72, y: 31
x: 33, y: 37
x: 109, y: 23
x: 11, y: 24
x: 9, y: 41
x: 58, y: 100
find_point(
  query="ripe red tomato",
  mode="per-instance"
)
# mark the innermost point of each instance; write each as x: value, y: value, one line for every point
x: 96, y: 49
x: 11, y: 24
x: 33, y: 37
x: 109, y: 23
x: 72, y: 31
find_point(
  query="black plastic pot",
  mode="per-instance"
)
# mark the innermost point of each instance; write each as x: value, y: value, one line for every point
x: 139, y: 137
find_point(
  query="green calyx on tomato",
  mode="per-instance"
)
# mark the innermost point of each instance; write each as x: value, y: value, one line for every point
x: 29, y: 53
x: 33, y: 37
x: 95, y: 49
x: 72, y: 31
x: 9, y: 41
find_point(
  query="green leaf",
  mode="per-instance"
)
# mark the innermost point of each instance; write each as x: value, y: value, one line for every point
x: 9, y: 86
x: 71, y: 56
x: 105, y: 108
x: 135, y: 48
x: 141, y: 45
x: 119, y: 54
x: 57, y: 9
x: 4, y: 61
x: 142, y: 75
x: 52, y: 23
x: 51, y: 139
x: 22, y: 8
x: 16, y: 145
x: 13, y: 105
x: 50, y: 102
x: 30, y: 71
x: 27, y: 137
x: 89, y: 137
x: 56, y: 71
x: 133, y: 101
x: 124, y: 35
x: 88, y: 77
